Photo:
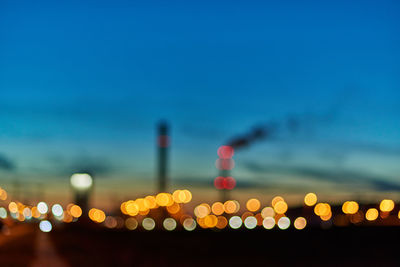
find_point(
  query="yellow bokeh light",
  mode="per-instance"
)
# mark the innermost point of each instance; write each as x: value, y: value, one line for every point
x: 322, y: 209
x: 253, y: 204
x: 202, y: 210
x: 326, y: 217
x: 97, y: 215
x: 300, y: 223
x: 231, y: 206
x: 276, y: 200
x: 280, y: 207
x: 3, y: 194
x: 386, y: 205
x: 13, y: 207
x: 174, y: 208
x: 371, y: 214
x: 210, y: 221
x: 267, y: 212
x: 132, y: 208
x: 162, y: 199
x: 217, y: 208
x: 151, y: 202
x: 76, y: 211
x: 350, y: 207
x: 310, y: 199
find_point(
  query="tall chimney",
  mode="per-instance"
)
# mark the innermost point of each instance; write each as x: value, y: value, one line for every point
x: 163, y: 144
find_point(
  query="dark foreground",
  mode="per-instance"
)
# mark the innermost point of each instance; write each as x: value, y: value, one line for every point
x: 349, y: 246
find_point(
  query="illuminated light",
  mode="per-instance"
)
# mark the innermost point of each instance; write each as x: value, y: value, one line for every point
x: 267, y: 212
x: 173, y: 209
x: 231, y: 206
x: 57, y: 210
x: 225, y: 152
x: 13, y: 207
x: 229, y: 183
x: 372, y: 214
x: 326, y: 217
x: 20, y: 217
x: 283, y: 223
x: 189, y: 224
x: 253, y: 204
x: 386, y: 205
x: 123, y: 208
x: 224, y: 164
x: 350, y: 207
x: 163, y: 199
x: 3, y: 194
x: 97, y: 215
x: 200, y: 221
x: 131, y: 223
x: 27, y: 213
x: 144, y: 212
x: 141, y: 204
x: 45, y: 226
x: 235, y: 222
x: 188, y: 196
x: 202, y: 210
x: 276, y: 200
x: 3, y: 213
x: 300, y: 223
x: 76, y: 211
x: 179, y: 196
x: 210, y: 221
x: 148, y: 224
x: 268, y: 223
x: 67, y: 218
x: 310, y: 199
x: 222, y: 222
x: 217, y: 208
x: 250, y: 222
x: 81, y: 181
x: 219, y: 182
x: 280, y: 207
x: 322, y: 209
x: 169, y: 224
x: 151, y: 202
x: 110, y: 222
x: 132, y: 208
x: 246, y: 214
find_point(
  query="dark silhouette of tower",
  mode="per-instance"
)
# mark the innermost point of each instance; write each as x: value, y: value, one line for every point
x: 162, y: 144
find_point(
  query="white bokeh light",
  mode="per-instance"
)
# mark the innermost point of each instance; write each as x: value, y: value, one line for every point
x: 81, y: 181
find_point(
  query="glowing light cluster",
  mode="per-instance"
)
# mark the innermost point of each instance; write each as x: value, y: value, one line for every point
x: 386, y: 205
x: 97, y: 215
x: 350, y: 207
x: 227, y: 183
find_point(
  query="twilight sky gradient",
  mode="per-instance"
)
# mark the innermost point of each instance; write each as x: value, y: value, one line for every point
x: 83, y: 84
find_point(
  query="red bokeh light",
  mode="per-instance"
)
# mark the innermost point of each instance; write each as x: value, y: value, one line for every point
x: 219, y: 182
x: 224, y: 183
x: 225, y: 152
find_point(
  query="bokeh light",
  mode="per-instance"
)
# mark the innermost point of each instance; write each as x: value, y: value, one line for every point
x: 250, y: 222
x: 300, y: 223
x: 169, y: 224
x: 253, y: 204
x: 148, y: 224
x: 386, y: 205
x: 45, y: 226
x: 310, y: 199
x: 235, y: 222
x: 283, y: 223
x: 268, y: 223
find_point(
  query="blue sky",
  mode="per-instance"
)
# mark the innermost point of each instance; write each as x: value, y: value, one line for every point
x: 84, y: 84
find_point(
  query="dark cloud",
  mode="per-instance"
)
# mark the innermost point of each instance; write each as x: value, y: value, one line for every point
x: 379, y: 183
x: 6, y: 163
